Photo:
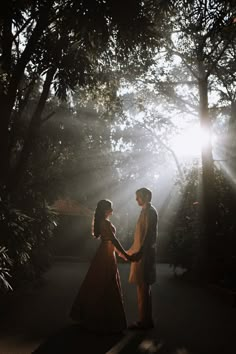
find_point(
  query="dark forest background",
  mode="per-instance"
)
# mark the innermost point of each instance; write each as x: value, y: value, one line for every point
x: 91, y: 95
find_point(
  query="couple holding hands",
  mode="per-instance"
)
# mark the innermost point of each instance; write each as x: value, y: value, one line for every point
x: 99, y: 304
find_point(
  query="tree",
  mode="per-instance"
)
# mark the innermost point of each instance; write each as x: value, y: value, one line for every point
x: 50, y: 48
x: 201, y: 35
x: 224, y: 85
x: 65, y: 43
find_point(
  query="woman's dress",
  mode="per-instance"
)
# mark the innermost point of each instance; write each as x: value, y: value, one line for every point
x: 99, y: 303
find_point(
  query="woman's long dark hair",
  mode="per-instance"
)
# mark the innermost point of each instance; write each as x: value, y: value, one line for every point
x: 102, y: 206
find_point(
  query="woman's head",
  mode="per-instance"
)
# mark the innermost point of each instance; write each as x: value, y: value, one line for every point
x: 103, y: 210
x: 104, y: 207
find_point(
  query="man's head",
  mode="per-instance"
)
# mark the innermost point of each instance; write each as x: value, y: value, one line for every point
x: 143, y: 196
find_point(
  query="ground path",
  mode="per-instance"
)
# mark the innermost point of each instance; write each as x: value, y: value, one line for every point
x: 189, y: 319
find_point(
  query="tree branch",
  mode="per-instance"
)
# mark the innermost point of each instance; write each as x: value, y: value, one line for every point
x: 217, y: 59
x: 184, y: 61
x: 171, y: 151
x: 22, y: 28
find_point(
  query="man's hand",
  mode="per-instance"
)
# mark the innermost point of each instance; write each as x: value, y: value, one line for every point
x: 135, y: 257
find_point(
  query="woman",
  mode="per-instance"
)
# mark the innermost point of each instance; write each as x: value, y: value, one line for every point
x: 99, y: 304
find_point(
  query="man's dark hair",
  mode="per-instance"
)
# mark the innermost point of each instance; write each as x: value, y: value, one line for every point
x: 145, y: 193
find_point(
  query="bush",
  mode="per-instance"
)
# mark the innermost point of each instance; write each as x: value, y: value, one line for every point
x: 186, y: 230
x: 24, y: 234
x: 186, y: 234
x: 5, y: 264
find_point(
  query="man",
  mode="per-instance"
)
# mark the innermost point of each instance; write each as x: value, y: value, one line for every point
x: 143, y: 253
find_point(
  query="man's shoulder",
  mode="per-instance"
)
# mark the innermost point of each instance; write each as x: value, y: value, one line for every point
x: 152, y: 209
x: 152, y: 212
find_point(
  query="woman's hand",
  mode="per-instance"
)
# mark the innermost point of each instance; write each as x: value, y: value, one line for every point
x: 121, y: 255
x: 128, y: 257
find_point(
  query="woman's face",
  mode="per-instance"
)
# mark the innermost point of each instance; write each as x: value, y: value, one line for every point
x: 108, y: 212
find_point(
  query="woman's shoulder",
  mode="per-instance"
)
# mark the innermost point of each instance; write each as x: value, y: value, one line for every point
x: 107, y: 230
x: 106, y: 224
x: 109, y: 225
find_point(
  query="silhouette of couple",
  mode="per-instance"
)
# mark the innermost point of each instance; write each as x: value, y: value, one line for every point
x: 99, y: 304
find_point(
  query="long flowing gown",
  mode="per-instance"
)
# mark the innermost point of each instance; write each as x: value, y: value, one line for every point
x: 99, y: 303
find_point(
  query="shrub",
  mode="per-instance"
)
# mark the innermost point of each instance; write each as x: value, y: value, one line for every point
x: 187, y: 227
x: 24, y: 234
x: 5, y: 264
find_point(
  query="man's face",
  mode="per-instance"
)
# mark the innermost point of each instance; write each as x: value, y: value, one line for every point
x: 140, y: 200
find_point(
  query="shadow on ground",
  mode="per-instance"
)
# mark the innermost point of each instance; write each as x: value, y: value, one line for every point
x: 74, y: 339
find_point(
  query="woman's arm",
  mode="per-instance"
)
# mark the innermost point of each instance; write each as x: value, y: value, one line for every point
x: 121, y: 252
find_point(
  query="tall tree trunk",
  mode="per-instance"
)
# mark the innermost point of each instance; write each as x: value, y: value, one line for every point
x: 232, y: 131
x: 7, y: 38
x: 33, y: 130
x: 7, y: 100
x: 231, y: 152
x: 209, y: 215
x: 17, y: 121
x: 5, y: 67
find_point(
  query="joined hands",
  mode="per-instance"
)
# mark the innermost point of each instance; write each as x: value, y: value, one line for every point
x: 135, y: 257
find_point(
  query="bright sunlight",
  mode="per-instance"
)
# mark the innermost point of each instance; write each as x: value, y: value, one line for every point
x: 189, y: 143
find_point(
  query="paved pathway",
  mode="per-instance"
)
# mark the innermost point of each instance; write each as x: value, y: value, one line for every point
x: 189, y: 319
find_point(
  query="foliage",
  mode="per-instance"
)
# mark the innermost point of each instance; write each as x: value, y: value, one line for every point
x: 63, y: 45
x: 196, y: 54
x: 23, y: 233
x: 225, y: 244
x: 187, y: 228
x: 5, y: 264
x: 78, y: 52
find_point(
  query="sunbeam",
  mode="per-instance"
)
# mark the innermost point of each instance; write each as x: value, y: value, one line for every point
x: 191, y: 141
